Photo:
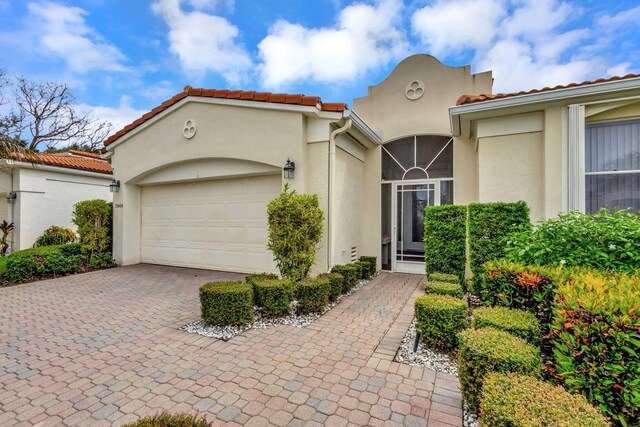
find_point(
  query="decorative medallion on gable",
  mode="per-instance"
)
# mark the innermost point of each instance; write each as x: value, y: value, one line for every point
x: 414, y: 90
x: 189, y: 129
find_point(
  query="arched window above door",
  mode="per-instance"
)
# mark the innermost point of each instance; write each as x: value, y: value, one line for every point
x: 418, y: 157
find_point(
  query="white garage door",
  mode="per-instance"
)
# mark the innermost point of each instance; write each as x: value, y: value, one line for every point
x: 219, y: 225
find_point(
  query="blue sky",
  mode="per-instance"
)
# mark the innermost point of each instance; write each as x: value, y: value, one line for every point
x: 122, y: 58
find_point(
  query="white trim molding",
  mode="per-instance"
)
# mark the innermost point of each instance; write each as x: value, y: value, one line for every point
x: 576, y: 196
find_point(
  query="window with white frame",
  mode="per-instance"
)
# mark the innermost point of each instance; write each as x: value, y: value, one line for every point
x: 612, y: 166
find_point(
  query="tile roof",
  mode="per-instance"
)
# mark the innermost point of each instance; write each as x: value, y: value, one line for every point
x: 472, y: 99
x: 70, y: 162
x: 84, y: 154
x: 277, y: 98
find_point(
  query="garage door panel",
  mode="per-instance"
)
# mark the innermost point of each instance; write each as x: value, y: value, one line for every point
x: 212, y: 224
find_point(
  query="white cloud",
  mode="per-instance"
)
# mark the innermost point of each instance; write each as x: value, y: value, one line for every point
x: 458, y: 25
x: 62, y: 31
x: 119, y: 116
x: 203, y: 42
x: 365, y: 37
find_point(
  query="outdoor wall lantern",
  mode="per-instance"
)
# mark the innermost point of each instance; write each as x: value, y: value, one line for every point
x: 114, y: 187
x: 288, y: 169
x: 11, y: 196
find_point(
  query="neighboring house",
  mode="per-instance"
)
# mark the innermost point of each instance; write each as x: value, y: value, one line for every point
x: 197, y: 172
x: 37, y: 194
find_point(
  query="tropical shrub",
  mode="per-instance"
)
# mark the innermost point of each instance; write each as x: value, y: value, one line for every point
x: 102, y: 260
x: 55, y: 235
x: 274, y: 296
x: 373, y: 264
x: 5, y: 228
x: 46, y: 261
x: 226, y: 303
x: 487, y: 350
x: 165, y: 419
x: 350, y: 274
x: 445, y: 233
x: 603, y: 240
x: 336, y: 284
x: 444, y: 288
x: 440, y: 318
x: 443, y: 277
x: 516, y: 322
x: 513, y: 400
x: 295, y: 228
x: 596, y: 336
x: 490, y: 226
x: 93, y: 218
x: 313, y: 294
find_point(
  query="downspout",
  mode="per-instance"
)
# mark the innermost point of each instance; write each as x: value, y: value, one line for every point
x: 332, y: 184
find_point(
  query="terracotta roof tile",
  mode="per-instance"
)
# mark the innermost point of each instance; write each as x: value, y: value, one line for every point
x: 84, y: 154
x: 472, y: 99
x: 279, y: 98
x: 80, y: 162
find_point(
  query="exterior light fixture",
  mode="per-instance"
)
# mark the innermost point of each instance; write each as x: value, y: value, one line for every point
x: 114, y: 187
x: 288, y: 169
x: 11, y: 196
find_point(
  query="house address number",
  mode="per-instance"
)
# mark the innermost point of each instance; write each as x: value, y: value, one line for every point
x: 118, y: 205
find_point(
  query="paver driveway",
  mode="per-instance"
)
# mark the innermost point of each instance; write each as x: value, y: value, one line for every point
x: 104, y: 348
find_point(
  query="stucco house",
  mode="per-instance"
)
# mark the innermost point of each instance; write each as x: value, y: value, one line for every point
x: 197, y: 171
x: 38, y: 193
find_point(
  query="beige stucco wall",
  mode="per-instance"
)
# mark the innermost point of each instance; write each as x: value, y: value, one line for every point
x: 349, y: 209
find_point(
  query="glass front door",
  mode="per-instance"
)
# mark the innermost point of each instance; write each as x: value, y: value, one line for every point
x: 410, y: 201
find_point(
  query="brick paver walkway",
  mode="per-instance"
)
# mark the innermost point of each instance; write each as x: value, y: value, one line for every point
x: 104, y: 348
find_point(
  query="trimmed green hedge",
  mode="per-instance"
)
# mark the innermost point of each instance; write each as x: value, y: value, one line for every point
x: 350, y: 274
x: 165, y: 419
x: 487, y: 350
x: 226, y: 303
x: 336, y: 284
x: 513, y: 400
x: 596, y: 336
x: 444, y: 288
x: 445, y: 229
x: 440, y: 318
x: 516, y: 322
x: 364, y: 269
x: 313, y: 294
x: 490, y: 225
x: 274, y: 296
x: 259, y: 277
x: 373, y: 264
x: 44, y: 261
x: 443, y: 277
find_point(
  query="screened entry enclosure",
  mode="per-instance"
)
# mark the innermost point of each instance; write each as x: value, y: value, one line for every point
x: 416, y: 172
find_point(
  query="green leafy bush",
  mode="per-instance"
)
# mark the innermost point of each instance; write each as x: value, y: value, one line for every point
x: 295, y: 228
x: 54, y: 236
x: 440, y: 318
x: 513, y: 400
x: 93, y: 218
x: 336, y: 284
x: 165, y: 419
x: 373, y: 264
x: 517, y: 322
x: 313, y: 294
x: 254, y: 278
x: 102, y: 260
x: 350, y: 273
x: 445, y: 233
x: 443, y: 277
x: 603, y: 240
x: 226, y: 303
x: 487, y: 350
x: 596, y: 335
x: 444, y: 288
x: 274, y: 296
x: 528, y: 288
x: 363, y: 268
x: 46, y: 261
x: 490, y: 226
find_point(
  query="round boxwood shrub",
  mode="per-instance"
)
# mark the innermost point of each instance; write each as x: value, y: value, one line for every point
x: 519, y: 400
x: 440, y: 317
x: 373, y: 264
x: 443, y: 277
x: 313, y: 294
x: 274, y: 296
x: 444, y: 288
x: 487, y: 350
x: 165, y: 419
x: 350, y: 273
x: 226, y: 303
x: 336, y: 284
x: 517, y: 322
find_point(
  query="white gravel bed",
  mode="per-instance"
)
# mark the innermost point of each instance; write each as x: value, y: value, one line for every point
x: 225, y: 333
